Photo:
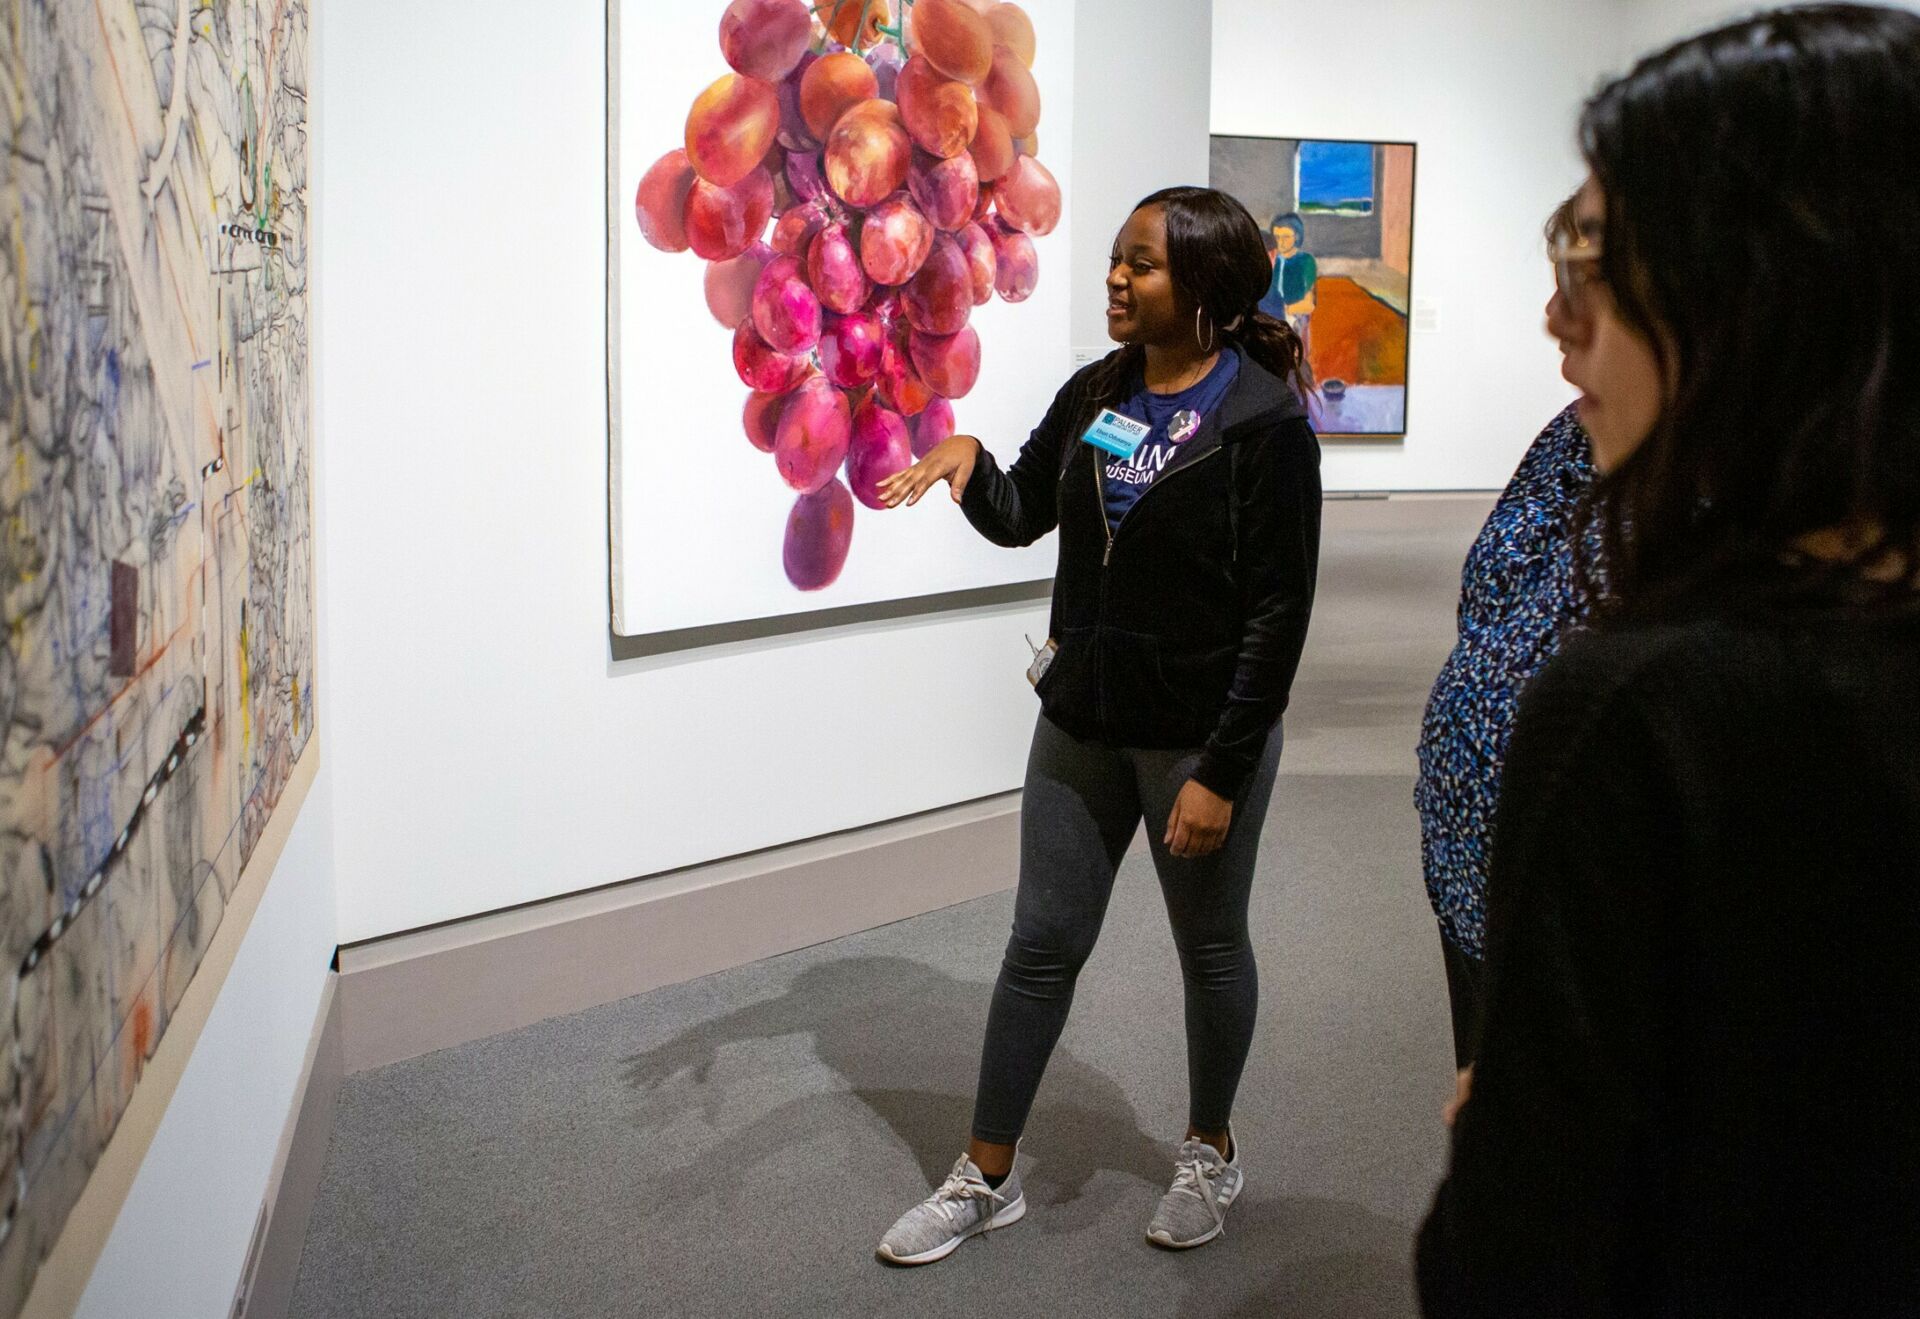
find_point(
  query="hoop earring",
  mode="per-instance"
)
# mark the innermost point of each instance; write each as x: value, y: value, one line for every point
x: 1213, y: 334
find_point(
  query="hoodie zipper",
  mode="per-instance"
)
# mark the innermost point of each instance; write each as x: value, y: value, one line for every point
x: 1101, y: 491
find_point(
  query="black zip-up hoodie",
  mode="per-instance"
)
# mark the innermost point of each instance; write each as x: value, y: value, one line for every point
x: 1181, y: 627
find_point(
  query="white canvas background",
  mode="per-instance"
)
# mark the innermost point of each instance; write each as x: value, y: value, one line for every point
x: 699, y: 514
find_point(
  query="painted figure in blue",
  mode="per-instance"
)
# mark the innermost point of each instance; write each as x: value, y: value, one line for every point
x: 1290, y: 297
x: 1519, y: 592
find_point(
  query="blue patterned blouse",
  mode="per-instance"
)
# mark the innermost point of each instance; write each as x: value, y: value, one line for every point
x: 1517, y: 594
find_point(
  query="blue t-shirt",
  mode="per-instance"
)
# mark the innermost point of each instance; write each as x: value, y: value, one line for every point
x: 1126, y: 479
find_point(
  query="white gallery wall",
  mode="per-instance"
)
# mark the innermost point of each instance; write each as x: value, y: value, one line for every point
x: 1653, y: 23
x: 1490, y: 91
x: 180, y: 1242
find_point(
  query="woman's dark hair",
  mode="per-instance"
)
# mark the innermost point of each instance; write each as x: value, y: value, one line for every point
x: 1759, y: 182
x: 1217, y: 261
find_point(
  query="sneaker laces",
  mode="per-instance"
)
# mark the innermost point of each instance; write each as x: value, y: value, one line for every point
x: 959, y: 1188
x: 1195, y: 1176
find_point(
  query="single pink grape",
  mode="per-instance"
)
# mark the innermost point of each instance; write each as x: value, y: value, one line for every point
x: 661, y: 203
x: 1013, y: 29
x: 945, y: 190
x: 939, y: 112
x: 765, y: 38
x: 939, y: 298
x: 852, y: 348
x: 982, y: 264
x: 954, y: 38
x: 949, y: 364
x: 724, y: 222
x: 806, y: 176
x: 831, y: 86
x: 834, y: 270
x: 880, y: 448
x: 895, y: 240
x: 729, y: 284
x: 1017, y: 264
x: 730, y: 128
x: 796, y: 230
x: 868, y: 153
x: 762, y: 368
x: 934, y: 424
x: 819, y: 534
x: 1011, y: 90
x: 811, y: 442
x: 992, y: 151
x: 900, y: 386
x: 1028, y: 198
x: 760, y: 418
x: 785, y: 311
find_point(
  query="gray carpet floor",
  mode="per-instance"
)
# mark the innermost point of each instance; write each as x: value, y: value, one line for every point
x: 736, y: 1145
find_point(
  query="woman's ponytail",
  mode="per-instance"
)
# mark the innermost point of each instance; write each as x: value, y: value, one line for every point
x: 1274, y: 345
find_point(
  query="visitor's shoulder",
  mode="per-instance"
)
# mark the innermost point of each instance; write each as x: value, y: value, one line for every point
x: 1663, y: 665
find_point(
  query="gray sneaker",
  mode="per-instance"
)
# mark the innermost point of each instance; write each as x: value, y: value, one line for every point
x: 1194, y: 1210
x: 964, y: 1206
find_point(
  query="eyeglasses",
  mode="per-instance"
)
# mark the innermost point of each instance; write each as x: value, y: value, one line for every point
x: 1576, y: 272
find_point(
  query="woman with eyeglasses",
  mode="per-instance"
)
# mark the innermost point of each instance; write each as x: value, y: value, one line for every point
x: 1523, y: 585
x: 1692, y: 1093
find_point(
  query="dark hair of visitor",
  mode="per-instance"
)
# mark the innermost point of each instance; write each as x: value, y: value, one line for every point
x: 1218, y: 266
x: 1758, y: 182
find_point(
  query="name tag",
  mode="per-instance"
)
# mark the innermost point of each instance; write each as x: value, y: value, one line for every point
x: 1118, y: 435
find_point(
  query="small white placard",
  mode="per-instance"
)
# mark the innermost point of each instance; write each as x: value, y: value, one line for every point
x: 1426, y: 315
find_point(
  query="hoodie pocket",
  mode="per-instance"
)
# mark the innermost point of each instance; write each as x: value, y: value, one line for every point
x: 1141, y: 696
x: 1069, y: 677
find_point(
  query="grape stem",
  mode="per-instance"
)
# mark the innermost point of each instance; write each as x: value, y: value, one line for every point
x: 826, y: 31
x: 899, y: 31
x: 860, y: 29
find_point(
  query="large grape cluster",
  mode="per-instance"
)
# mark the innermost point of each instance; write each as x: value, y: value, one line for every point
x: 857, y: 185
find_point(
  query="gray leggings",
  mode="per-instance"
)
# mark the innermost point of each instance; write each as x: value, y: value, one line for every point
x: 1084, y: 800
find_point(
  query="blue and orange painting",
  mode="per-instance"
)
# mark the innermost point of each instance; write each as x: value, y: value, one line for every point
x: 1338, y: 218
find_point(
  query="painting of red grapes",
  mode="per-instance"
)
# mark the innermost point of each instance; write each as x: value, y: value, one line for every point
x: 836, y: 236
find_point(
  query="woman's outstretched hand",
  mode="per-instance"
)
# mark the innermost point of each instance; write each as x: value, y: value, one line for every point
x: 1199, y: 823
x: 951, y: 461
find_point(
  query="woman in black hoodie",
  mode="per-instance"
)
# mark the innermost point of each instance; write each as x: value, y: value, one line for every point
x: 1183, y: 476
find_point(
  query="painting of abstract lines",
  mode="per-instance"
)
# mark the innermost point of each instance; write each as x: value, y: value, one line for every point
x: 1338, y: 221
x: 157, y: 653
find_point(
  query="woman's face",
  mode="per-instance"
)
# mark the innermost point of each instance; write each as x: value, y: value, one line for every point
x: 1612, y: 365
x: 1142, y: 305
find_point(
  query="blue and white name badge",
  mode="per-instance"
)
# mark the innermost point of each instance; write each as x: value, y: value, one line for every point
x: 1118, y: 435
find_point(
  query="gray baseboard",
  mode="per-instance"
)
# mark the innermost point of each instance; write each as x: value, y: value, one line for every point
x: 410, y: 994
x: 273, y: 1262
